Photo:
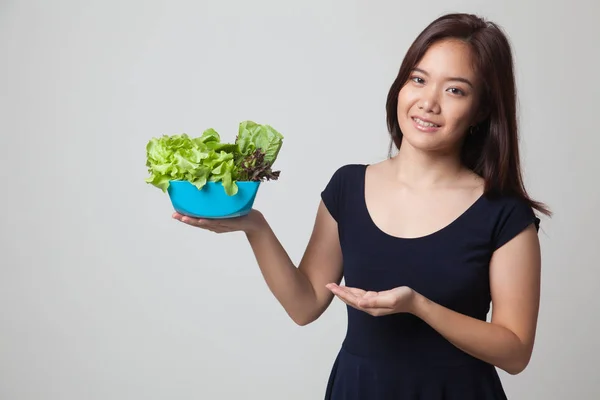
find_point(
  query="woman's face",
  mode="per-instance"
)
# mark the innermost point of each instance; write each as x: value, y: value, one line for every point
x: 439, y: 102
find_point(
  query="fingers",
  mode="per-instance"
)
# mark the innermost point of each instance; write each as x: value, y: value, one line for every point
x: 357, y: 292
x: 349, y: 293
x: 370, y: 302
x: 380, y: 300
x: 373, y: 303
x: 211, y: 225
x: 344, y: 294
x: 340, y: 291
x: 350, y: 296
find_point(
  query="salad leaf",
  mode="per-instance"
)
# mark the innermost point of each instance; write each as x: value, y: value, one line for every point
x: 176, y: 157
x: 254, y: 167
x: 252, y: 136
x: 205, y: 158
x: 212, y: 140
x: 225, y: 173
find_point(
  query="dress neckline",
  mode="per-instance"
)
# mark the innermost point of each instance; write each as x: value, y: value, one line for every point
x: 440, y: 231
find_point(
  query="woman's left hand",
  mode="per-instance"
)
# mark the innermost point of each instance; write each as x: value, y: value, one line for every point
x: 398, y: 300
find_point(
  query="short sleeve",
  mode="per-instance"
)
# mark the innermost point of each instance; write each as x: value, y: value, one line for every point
x: 514, y: 217
x: 331, y: 195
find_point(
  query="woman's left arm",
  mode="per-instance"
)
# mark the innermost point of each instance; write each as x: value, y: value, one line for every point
x: 507, y: 341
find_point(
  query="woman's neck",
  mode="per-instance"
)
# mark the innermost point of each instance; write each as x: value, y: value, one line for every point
x: 421, y: 170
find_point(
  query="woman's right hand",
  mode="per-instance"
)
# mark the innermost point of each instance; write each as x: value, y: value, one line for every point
x: 250, y: 223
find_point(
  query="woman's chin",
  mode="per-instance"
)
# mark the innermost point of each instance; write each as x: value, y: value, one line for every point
x: 426, y: 142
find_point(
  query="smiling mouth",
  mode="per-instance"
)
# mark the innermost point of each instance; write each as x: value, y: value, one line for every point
x: 425, y: 124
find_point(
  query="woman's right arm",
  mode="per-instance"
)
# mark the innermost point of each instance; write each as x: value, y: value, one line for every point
x: 300, y: 290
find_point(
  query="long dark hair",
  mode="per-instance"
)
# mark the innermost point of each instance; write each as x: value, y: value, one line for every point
x: 492, y: 151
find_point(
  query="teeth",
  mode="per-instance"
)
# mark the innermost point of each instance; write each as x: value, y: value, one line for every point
x: 423, y: 123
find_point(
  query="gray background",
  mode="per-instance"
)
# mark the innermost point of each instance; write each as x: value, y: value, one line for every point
x: 104, y: 296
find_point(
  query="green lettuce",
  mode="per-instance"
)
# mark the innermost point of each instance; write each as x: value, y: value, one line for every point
x: 205, y: 158
x: 252, y: 136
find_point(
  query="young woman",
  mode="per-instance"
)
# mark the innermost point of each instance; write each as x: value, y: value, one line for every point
x: 427, y: 239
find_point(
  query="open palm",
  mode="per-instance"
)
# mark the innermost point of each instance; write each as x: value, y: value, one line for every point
x: 397, y: 300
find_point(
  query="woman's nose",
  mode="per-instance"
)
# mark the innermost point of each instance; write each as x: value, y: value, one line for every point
x: 429, y: 102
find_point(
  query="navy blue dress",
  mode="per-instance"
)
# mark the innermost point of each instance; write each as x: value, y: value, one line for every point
x: 399, y: 356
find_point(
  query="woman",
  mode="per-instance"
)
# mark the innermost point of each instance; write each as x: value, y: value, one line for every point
x: 426, y: 239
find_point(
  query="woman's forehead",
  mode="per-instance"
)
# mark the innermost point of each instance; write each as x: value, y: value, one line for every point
x: 448, y: 58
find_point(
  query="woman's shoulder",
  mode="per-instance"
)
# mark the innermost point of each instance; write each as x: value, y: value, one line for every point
x: 507, y: 215
x: 354, y: 170
x: 346, y: 169
x: 504, y: 203
x: 343, y: 182
x: 347, y: 173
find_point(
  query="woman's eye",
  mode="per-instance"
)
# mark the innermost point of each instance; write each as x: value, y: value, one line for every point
x: 457, y: 91
x: 418, y: 80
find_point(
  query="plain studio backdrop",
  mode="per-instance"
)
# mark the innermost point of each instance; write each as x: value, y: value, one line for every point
x: 104, y: 296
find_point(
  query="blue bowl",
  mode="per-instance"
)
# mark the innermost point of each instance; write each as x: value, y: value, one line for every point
x: 211, y: 201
